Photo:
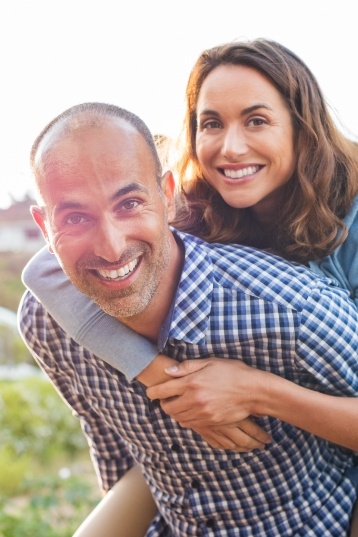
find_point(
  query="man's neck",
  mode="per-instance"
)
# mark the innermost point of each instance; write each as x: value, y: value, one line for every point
x: 149, y: 322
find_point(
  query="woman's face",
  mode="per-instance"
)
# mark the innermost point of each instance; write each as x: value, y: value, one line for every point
x: 245, y: 139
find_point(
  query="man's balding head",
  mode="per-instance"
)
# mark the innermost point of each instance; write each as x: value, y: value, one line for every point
x: 94, y: 114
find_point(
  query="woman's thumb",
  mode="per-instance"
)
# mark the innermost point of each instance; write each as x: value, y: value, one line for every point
x: 186, y: 368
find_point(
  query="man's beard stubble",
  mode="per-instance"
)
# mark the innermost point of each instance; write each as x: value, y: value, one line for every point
x: 114, y: 303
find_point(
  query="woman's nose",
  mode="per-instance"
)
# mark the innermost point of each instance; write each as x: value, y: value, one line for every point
x: 234, y: 143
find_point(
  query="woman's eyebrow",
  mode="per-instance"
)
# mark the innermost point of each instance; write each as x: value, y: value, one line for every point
x: 244, y: 112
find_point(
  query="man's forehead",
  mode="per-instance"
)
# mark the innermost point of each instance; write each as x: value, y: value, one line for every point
x: 70, y: 130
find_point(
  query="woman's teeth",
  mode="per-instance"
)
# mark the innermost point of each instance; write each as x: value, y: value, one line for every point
x: 238, y: 174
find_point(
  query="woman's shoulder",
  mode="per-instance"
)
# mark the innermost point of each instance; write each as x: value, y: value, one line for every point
x: 342, y: 264
x: 351, y: 219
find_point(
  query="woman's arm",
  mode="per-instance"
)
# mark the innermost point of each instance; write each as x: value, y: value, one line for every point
x: 116, y: 344
x: 241, y: 391
x: 323, y: 400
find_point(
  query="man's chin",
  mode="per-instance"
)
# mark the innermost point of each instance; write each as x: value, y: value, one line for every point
x: 124, y: 304
x: 123, y: 307
x: 120, y: 312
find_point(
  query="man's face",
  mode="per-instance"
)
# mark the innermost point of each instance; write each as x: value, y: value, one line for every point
x: 105, y: 216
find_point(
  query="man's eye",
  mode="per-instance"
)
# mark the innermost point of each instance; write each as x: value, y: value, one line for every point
x: 74, y: 219
x: 129, y: 205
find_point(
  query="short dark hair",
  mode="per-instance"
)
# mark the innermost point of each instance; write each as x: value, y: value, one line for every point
x: 96, y: 112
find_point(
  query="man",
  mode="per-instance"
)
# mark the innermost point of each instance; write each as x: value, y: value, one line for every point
x: 105, y: 216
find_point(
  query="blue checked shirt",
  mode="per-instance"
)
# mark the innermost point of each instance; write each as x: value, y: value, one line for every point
x: 237, y: 303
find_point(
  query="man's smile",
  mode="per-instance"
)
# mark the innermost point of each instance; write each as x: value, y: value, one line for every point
x: 118, y: 274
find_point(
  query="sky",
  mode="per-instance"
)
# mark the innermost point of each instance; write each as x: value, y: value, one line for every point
x: 138, y: 54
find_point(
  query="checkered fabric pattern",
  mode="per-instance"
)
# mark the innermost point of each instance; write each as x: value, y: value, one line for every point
x: 237, y: 303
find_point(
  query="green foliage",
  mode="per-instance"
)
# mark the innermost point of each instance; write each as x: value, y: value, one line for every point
x: 20, y: 352
x: 38, y: 437
x: 13, y: 471
x: 35, y: 420
x: 11, y: 287
x: 55, y: 509
x: 12, y: 348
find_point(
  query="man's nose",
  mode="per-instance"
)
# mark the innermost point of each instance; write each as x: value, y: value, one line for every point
x: 234, y: 143
x: 109, y: 240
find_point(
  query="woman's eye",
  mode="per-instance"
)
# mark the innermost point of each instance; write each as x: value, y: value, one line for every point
x: 211, y: 124
x: 257, y: 122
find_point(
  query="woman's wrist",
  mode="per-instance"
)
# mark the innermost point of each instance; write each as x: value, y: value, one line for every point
x: 154, y: 373
x: 268, y: 394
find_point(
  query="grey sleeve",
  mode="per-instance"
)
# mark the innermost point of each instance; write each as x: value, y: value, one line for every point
x: 83, y: 320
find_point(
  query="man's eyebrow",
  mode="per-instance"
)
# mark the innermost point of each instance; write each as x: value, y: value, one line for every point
x: 66, y: 205
x: 76, y: 205
x: 132, y: 187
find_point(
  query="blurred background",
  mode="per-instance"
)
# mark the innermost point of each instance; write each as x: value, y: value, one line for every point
x: 47, y: 482
x: 138, y: 55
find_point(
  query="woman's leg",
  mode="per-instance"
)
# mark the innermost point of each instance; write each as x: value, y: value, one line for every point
x: 354, y: 526
x: 125, y: 511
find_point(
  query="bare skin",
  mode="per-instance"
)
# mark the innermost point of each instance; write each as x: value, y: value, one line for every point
x: 240, y: 436
x: 242, y: 391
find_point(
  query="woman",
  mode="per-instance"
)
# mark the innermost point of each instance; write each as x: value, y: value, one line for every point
x: 262, y: 164
x: 282, y: 179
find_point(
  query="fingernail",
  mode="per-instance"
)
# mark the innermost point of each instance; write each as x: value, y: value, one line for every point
x: 172, y: 369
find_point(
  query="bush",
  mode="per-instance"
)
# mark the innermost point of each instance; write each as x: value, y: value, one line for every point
x: 55, y: 509
x: 39, y: 436
x: 11, y: 286
x: 12, y: 348
x: 13, y: 471
x: 35, y: 420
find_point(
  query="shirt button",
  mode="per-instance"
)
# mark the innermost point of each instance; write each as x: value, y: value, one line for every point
x: 175, y: 447
x: 195, y: 484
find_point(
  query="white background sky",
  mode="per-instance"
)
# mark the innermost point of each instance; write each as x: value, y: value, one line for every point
x: 138, y: 54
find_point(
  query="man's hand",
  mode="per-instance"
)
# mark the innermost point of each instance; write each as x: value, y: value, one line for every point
x: 215, y: 398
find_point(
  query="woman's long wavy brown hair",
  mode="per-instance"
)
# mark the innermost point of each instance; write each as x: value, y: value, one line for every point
x: 317, y: 197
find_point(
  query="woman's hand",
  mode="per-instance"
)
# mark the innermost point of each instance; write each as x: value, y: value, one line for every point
x: 213, y: 392
x: 242, y: 437
x: 210, y: 392
x: 205, y: 397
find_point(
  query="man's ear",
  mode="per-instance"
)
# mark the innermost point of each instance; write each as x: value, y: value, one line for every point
x: 38, y: 216
x: 168, y: 186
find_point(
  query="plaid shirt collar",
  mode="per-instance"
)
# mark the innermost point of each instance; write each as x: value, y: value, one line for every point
x: 188, y: 318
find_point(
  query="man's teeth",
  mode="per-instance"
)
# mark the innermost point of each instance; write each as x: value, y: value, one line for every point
x: 237, y: 174
x: 118, y: 273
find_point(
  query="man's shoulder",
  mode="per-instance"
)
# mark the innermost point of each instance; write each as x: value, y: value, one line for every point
x: 29, y: 301
x: 234, y: 258
x: 253, y: 271
x: 34, y: 319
